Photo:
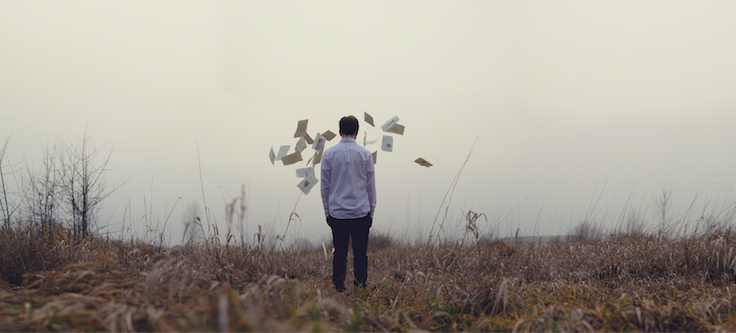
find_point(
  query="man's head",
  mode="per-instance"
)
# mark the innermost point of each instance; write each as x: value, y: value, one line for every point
x: 348, y: 126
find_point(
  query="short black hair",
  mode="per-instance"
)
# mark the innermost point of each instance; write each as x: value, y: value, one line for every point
x: 349, y: 125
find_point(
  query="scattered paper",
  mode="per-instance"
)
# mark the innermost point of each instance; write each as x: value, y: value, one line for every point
x: 396, y: 129
x: 283, y: 151
x: 304, y: 172
x: 365, y: 139
x: 301, y: 128
x: 423, y: 162
x: 389, y: 123
x: 319, y: 142
x: 292, y: 158
x: 388, y: 143
x: 318, y: 156
x: 329, y: 135
x: 301, y: 145
x: 368, y: 119
x: 307, y: 184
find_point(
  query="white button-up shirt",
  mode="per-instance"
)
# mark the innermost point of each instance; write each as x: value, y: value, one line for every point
x: 348, y: 181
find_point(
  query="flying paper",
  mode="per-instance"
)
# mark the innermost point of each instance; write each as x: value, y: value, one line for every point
x: 375, y: 156
x: 389, y: 123
x: 368, y: 119
x: 423, y: 162
x: 291, y: 159
x: 396, y: 129
x: 283, y: 151
x: 307, y: 184
x: 329, y: 135
x: 308, y: 138
x: 301, y: 145
x: 365, y: 139
x: 304, y: 172
x: 319, y: 142
x: 272, y: 156
x: 318, y: 156
x: 388, y: 143
x: 301, y: 128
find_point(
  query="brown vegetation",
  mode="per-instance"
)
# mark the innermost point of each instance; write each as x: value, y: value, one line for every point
x: 628, y: 282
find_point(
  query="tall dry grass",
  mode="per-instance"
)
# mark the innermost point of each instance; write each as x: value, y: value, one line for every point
x: 633, y: 282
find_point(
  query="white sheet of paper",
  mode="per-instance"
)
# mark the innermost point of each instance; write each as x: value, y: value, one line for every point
x: 365, y: 139
x: 272, y: 156
x: 388, y: 143
x: 319, y: 142
x: 283, y: 151
x: 304, y: 172
x: 389, y: 123
x: 301, y: 144
x: 307, y: 183
x: 318, y: 156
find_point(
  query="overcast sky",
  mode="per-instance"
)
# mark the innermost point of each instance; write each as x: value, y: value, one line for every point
x: 569, y: 101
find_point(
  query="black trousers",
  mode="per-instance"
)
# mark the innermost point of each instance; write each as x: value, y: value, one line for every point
x: 342, y: 231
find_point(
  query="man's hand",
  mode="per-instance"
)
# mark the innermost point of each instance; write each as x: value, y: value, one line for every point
x: 328, y: 221
x: 370, y: 225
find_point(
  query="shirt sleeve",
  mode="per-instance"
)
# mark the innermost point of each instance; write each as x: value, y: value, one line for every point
x: 371, y: 178
x: 326, y: 174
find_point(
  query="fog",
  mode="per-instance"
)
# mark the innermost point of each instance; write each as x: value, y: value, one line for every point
x: 565, y: 110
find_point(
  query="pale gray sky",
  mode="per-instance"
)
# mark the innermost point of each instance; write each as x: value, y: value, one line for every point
x: 563, y: 96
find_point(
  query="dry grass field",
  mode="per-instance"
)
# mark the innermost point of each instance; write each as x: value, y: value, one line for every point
x: 629, y: 282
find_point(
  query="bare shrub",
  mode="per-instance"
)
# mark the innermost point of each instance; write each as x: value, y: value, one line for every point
x: 30, y: 248
x: 83, y: 183
x: 7, y: 205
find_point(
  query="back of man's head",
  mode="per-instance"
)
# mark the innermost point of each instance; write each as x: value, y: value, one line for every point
x: 348, y: 125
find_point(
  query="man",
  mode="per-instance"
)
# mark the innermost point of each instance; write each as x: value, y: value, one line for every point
x: 349, y: 199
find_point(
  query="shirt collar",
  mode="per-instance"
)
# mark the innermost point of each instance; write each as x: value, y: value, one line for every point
x: 347, y: 140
